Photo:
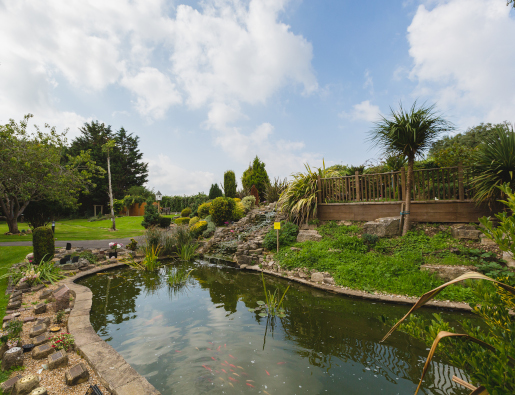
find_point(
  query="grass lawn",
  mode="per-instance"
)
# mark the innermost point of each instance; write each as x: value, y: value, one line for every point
x: 81, y: 229
x: 8, y: 257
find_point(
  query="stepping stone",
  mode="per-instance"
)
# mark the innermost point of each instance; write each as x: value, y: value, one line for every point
x: 14, y: 305
x: 29, y: 319
x: 38, y: 287
x: 62, y: 298
x: 76, y: 375
x: 12, y: 357
x: 58, y: 359
x: 15, y: 298
x: 7, y: 386
x: 16, y: 293
x: 43, y: 321
x: 41, y: 339
x: 42, y: 351
x: 40, y: 308
x: 26, y: 384
x: 39, y: 391
x: 7, y: 318
x: 45, y: 294
x: 37, y: 330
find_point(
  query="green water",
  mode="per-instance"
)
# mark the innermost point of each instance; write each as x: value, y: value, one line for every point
x: 182, y: 340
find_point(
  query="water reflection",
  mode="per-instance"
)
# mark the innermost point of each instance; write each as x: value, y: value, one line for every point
x: 185, y: 339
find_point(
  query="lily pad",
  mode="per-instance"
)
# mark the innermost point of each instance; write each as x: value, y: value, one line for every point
x: 251, y: 310
x: 281, y: 315
x: 260, y: 302
x: 263, y: 315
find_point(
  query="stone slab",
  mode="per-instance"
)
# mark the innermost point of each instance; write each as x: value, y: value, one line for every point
x: 76, y: 375
x: 7, y: 386
x: 308, y: 235
x: 137, y: 387
x: 42, y: 351
x: 383, y: 227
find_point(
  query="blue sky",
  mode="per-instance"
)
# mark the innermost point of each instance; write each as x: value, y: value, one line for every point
x: 208, y: 85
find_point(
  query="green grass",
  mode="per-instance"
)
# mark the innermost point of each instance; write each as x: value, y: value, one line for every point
x: 391, y: 265
x: 81, y: 229
x: 8, y: 257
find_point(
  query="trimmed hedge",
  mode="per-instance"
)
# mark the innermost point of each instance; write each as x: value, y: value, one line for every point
x: 221, y: 210
x: 182, y: 221
x: 186, y: 212
x: 43, y: 244
x: 203, y: 209
x: 164, y: 222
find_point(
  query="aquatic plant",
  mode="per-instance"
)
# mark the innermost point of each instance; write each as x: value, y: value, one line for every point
x: 149, y: 263
x: 187, y: 252
x: 272, y: 305
x: 487, y: 355
x: 178, y: 276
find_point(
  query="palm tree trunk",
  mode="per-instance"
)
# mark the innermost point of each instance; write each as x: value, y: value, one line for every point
x: 110, y: 192
x: 409, y: 182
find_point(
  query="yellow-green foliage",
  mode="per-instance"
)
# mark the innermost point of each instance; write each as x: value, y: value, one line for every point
x: 186, y: 212
x: 198, y: 228
x: 193, y: 221
x: 182, y: 221
x: 237, y: 200
x: 239, y: 211
x: 203, y: 210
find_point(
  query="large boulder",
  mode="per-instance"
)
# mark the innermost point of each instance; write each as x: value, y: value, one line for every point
x: 308, y: 235
x: 448, y: 273
x: 508, y: 257
x: 467, y: 232
x: 383, y: 227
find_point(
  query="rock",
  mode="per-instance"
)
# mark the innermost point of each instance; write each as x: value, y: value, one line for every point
x: 508, y: 257
x: 69, y: 266
x: 8, y: 386
x: 258, y: 251
x: 467, y: 232
x: 303, y: 275
x: 43, y: 321
x: 42, y: 351
x: 57, y: 360
x: 39, y: 391
x: 448, y: 273
x: 383, y: 227
x: 12, y: 357
x: 37, y: 287
x: 41, y: 339
x: 317, y: 277
x: 243, y: 266
x: 29, y: 256
x: 14, y: 305
x: 22, y: 286
x: 346, y: 223
x: 37, y: 330
x: 82, y: 262
x: 26, y: 384
x: 16, y: 293
x: 76, y: 375
x: 15, y: 298
x: 40, y: 308
x: 244, y: 260
x: 295, y: 249
x: 486, y: 241
x: 329, y: 280
x: 308, y: 235
x: 62, y: 298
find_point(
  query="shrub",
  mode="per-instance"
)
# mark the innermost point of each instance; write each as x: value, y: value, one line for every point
x: 193, y: 221
x: 256, y: 175
x: 273, y: 190
x: 164, y: 222
x: 92, y: 259
x: 370, y: 240
x: 287, y: 236
x: 237, y: 200
x: 133, y: 245
x: 182, y: 221
x: 151, y: 216
x: 221, y: 210
x: 248, y: 202
x: 43, y: 244
x: 238, y: 212
x: 215, y: 192
x: 152, y: 237
x: 203, y: 210
x: 186, y: 212
x: 197, y: 229
x: 254, y: 192
x: 211, y: 227
x: 230, y: 184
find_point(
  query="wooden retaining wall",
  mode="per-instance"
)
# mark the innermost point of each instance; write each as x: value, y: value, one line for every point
x: 464, y: 211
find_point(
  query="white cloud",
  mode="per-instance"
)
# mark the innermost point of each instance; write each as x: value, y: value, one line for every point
x: 369, y: 82
x: 363, y: 111
x: 463, y: 56
x: 172, y: 179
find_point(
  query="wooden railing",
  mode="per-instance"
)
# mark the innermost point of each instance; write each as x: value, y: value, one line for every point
x: 447, y: 183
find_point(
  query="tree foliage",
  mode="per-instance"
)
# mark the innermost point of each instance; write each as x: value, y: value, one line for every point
x: 32, y: 169
x: 215, y: 192
x: 230, y: 184
x: 256, y: 175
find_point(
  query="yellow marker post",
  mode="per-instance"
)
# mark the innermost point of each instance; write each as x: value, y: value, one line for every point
x: 277, y: 227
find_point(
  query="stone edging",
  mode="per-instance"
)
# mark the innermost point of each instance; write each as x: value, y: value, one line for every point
x: 114, y: 372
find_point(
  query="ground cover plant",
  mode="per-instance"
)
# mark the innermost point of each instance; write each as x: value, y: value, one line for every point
x: 8, y: 257
x: 389, y: 265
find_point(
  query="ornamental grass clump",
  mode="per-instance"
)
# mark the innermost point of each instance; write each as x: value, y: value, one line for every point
x: 272, y: 306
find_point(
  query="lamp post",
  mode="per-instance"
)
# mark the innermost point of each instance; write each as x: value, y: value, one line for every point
x: 158, y: 198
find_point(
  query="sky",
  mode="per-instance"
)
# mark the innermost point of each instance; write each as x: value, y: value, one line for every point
x: 208, y: 85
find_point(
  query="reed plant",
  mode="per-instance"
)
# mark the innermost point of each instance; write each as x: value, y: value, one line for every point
x: 272, y: 306
x: 187, y: 252
x: 178, y: 276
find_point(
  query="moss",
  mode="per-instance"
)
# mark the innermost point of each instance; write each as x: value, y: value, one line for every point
x: 43, y: 244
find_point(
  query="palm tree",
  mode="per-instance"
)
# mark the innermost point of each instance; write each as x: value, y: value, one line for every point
x: 409, y: 133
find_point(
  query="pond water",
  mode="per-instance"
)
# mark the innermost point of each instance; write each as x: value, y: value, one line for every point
x: 202, y: 338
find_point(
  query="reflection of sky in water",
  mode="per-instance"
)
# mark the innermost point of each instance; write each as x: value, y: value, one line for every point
x: 183, y: 341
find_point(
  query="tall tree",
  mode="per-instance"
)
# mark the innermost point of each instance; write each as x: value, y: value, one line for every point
x: 127, y: 168
x: 256, y: 175
x: 230, y: 184
x: 108, y: 148
x: 409, y: 133
x: 32, y: 169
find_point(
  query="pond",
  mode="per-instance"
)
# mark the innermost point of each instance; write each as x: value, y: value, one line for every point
x: 202, y: 339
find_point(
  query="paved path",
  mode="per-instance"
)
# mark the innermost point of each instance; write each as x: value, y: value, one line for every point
x: 77, y: 243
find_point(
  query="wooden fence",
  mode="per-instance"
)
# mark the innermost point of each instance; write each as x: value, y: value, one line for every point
x: 448, y: 183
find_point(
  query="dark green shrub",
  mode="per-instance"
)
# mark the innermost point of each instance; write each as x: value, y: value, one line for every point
x: 151, y: 216
x: 164, y: 222
x: 221, y: 210
x: 370, y: 240
x: 256, y: 175
x: 182, y: 221
x: 133, y: 245
x: 287, y: 236
x: 230, y: 184
x: 43, y: 244
x: 215, y: 192
x: 203, y: 210
x: 186, y: 212
x: 90, y: 257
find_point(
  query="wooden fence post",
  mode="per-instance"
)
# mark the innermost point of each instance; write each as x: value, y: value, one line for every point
x: 358, y: 194
x: 460, y: 181
x: 319, y: 183
x: 403, y: 182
